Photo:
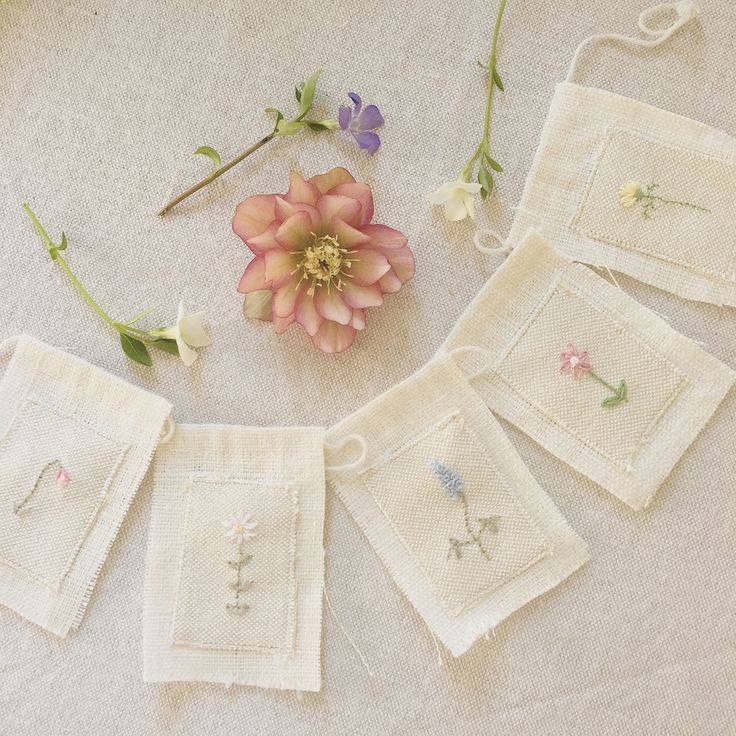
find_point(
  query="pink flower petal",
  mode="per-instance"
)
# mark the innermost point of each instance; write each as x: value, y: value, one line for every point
x: 359, y: 297
x: 402, y: 263
x: 390, y: 283
x: 257, y: 305
x: 254, y: 277
x: 333, y: 205
x: 266, y: 240
x: 348, y: 237
x: 279, y: 266
x: 367, y: 267
x: 334, y: 177
x: 384, y: 237
x: 284, y: 298
x: 281, y: 324
x: 306, y: 313
x: 332, y: 306
x: 294, y: 233
x: 358, y: 321
x: 362, y: 193
x: 284, y: 210
x: 333, y: 337
x: 300, y: 190
x: 254, y: 215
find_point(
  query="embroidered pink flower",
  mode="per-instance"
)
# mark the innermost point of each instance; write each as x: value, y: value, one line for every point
x: 62, y: 477
x: 574, y: 361
x: 319, y: 260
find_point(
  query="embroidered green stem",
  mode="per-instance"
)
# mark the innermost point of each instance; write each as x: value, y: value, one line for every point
x: 485, y: 524
x: 619, y: 395
x: 633, y: 193
x: 239, y: 586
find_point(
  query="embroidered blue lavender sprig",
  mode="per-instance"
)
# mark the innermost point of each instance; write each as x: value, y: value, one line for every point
x: 454, y: 487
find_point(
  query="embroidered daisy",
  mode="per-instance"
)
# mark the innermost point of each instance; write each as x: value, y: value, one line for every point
x: 574, y: 361
x: 239, y: 527
x: 630, y: 193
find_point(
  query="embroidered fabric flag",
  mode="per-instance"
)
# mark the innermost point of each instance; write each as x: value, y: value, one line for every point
x: 462, y: 526
x: 618, y: 183
x: 75, y: 443
x: 593, y: 376
x: 234, y: 570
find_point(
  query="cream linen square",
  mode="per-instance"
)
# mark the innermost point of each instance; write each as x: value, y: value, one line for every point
x: 75, y: 443
x: 536, y: 305
x: 462, y: 526
x: 595, y: 142
x: 234, y: 570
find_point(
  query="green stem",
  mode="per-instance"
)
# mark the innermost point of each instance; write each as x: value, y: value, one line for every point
x: 473, y: 535
x: 96, y: 308
x: 483, y: 145
x: 593, y: 374
x: 678, y: 202
x: 219, y: 172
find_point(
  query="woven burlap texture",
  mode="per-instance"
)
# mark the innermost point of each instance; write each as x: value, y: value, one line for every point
x: 58, y: 411
x: 396, y: 498
x: 537, y: 304
x: 101, y: 106
x: 204, y: 476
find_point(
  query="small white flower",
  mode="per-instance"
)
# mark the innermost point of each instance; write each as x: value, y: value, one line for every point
x: 630, y: 193
x: 239, y: 527
x: 188, y: 333
x: 457, y: 197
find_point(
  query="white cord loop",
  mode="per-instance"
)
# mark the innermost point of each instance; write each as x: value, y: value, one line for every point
x: 686, y: 10
x: 167, y: 432
x: 344, y: 442
x: 486, y: 232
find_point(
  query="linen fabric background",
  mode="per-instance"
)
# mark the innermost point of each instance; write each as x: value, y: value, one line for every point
x: 101, y: 106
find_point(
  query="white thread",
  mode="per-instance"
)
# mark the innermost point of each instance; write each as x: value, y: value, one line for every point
x: 503, y: 246
x: 167, y: 432
x: 341, y: 444
x: 346, y: 635
x: 685, y: 9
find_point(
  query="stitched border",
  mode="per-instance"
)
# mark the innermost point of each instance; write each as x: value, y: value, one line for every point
x: 34, y: 400
x: 560, y: 283
x: 594, y: 234
x: 290, y: 628
x: 454, y: 417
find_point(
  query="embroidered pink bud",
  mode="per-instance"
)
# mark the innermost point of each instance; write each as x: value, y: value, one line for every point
x: 574, y: 361
x: 63, y: 479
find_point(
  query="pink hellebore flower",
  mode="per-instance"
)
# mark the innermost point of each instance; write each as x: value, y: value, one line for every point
x: 318, y: 259
x: 574, y: 361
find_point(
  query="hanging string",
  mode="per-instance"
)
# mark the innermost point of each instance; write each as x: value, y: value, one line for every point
x: 486, y: 232
x: 344, y: 442
x: 477, y: 350
x: 345, y: 634
x: 685, y: 11
x: 167, y: 432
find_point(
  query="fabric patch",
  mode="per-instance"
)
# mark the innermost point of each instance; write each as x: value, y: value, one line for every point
x: 529, y: 321
x: 43, y: 522
x: 640, y: 190
x: 465, y: 541
x: 234, y: 572
x: 463, y: 528
x: 237, y: 593
x: 75, y: 443
x: 681, y: 209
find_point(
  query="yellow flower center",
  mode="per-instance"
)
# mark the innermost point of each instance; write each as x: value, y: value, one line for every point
x: 324, y: 263
x: 238, y: 528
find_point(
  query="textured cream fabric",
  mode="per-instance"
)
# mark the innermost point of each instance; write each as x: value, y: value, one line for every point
x: 536, y: 305
x: 395, y: 495
x: 101, y: 105
x: 196, y: 625
x: 595, y: 142
x: 58, y: 411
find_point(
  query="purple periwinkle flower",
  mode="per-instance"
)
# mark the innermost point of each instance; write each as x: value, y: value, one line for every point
x: 361, y: 123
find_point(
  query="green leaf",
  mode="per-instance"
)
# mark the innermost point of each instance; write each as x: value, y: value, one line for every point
x: 493, y: 164
x: 288, y: 127
x: 307, y: 93
x: 278, y: 117
x: 485, y: 179
x: 168, y: 346
x: 298, y: 94
x: 318, y: 126
x: 135, y: 349
x: 497, y: 80
x: 63, y: 244
x: 211, y: 154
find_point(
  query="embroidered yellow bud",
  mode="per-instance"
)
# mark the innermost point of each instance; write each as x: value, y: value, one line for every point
x: 630, y: 193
